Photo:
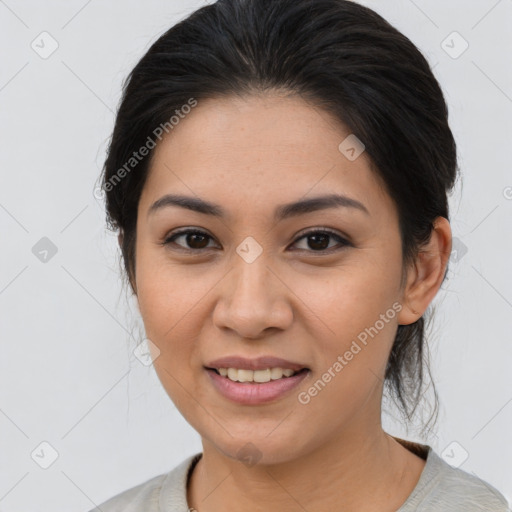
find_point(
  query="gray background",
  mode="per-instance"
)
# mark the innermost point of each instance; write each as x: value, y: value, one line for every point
x: 68, y: 376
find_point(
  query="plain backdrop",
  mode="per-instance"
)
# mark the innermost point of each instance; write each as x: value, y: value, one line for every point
x: 73, y: 397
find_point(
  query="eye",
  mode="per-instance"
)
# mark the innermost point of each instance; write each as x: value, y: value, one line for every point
x: 194, y: 237
x: 319, y: 240
x: 197, y: 240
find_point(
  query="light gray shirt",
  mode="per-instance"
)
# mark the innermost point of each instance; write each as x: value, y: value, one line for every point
x: 441, y: 488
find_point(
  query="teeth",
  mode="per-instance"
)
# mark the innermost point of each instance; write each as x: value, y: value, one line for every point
x: 255, y: 375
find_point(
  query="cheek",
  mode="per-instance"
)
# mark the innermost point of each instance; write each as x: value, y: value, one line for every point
x: 169, y: 306
x: 350, y: 315
x: 350, y: 299
x: 351, y: 356
x: 165, y: 292
x: 164, y: 300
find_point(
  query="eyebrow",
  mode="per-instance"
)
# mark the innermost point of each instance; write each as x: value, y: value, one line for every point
x: 282, y: 212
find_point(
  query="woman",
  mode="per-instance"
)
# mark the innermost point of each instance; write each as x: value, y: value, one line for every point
x: 278, y: 174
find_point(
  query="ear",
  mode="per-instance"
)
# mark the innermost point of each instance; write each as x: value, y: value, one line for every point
x: 425, y: 277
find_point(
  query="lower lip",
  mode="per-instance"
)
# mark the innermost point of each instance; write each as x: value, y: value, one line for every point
x: 250, y: 393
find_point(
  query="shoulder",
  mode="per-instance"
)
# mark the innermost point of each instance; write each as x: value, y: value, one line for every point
x: 468, y: 492
x: 447, y: 488
x: 150, y: 495
x: 141, y: 497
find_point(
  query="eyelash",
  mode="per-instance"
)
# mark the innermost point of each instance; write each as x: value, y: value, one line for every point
x: 323, y: 231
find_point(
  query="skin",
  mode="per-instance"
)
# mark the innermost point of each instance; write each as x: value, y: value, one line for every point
x: 249, y: 155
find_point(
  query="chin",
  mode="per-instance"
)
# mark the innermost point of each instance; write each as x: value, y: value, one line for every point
x: 254, y: 450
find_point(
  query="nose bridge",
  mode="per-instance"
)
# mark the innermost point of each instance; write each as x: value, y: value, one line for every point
x: 252, y: 299
x: 250, y: 283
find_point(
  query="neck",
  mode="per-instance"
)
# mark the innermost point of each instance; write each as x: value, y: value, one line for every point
x: 355, y: 472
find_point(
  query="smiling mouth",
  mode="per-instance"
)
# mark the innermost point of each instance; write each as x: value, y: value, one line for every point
x: 256, y: 376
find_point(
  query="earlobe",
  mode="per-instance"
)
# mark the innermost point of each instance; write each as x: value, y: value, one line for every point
x: 426, y: 277
x: 408, y: 313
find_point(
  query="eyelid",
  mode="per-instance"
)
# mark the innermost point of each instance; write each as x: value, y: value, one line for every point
x: 322, y: 229
x: 342, y: 238
x: 185, y: 231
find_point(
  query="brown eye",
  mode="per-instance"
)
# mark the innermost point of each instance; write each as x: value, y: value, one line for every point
x: 318, y: 240
x: 194, y: 239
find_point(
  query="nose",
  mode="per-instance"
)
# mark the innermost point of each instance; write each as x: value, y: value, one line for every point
x: 253, y: 300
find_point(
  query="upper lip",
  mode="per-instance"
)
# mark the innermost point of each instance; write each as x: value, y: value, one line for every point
x: 258, y: 363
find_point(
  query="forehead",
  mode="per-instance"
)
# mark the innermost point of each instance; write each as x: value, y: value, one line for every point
x: 268, y: 148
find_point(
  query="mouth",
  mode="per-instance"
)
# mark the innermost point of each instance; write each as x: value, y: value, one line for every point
x: 255, y: 387
x: 263, y: 376
x: 253, y: 381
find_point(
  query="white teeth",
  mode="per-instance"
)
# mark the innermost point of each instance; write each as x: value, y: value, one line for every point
x: 244, y: 375
x: 255, y: 375
x: 262, y: 375
x: 277, y: 373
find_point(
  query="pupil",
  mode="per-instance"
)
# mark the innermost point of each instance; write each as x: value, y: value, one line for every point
x: 319, y: 245
x: 192, y: 244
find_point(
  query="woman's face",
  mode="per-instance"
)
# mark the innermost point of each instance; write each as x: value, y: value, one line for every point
x: 252, y: 284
